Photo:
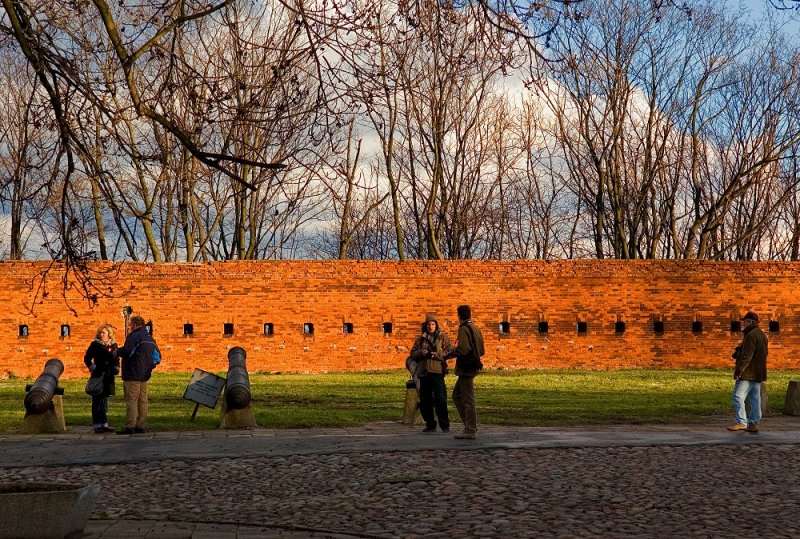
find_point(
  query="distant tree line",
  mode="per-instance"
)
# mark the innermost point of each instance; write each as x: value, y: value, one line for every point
x: 199, y: 130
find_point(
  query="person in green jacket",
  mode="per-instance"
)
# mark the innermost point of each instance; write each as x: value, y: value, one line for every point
x: 750, y: 372
x: 428, y: 351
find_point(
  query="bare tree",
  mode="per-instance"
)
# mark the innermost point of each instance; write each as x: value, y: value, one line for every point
x: 785, y: 4
x: 755, y: 127
x: 537, y: 206
x: 26, y: 153
x: 643, y: 103
x: 377, y: 43
x: 449, y: 94
x: 140, y: 40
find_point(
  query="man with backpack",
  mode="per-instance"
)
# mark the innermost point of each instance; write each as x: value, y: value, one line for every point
x: 468, y: 354
x: 139, y: 356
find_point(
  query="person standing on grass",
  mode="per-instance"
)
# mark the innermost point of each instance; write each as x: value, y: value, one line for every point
x: 749, y: 373
x: 468, y: 354
x: 102, y: 361
x: 429, y: 351
x: 137, y: 366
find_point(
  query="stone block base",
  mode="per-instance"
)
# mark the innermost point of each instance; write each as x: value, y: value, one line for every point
x: 49, y: 422
x: 236, y: 418
x: 411, y: 415
x: 792, y: 404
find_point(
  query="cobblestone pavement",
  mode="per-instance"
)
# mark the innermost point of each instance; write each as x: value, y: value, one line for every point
x: 741, y: 486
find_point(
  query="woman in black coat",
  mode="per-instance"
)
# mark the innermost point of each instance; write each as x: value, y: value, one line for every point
x: 101, y: 360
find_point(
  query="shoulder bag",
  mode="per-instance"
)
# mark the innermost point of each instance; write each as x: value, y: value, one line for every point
x: 94, y: 386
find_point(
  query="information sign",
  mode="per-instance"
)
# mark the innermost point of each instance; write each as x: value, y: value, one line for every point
x: 204, y: 388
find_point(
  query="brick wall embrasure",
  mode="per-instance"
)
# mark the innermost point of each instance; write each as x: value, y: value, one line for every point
x: 328, y: 294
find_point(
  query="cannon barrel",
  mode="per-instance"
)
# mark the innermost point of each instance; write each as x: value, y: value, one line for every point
x: 237, y: 385
x: 40, y: 394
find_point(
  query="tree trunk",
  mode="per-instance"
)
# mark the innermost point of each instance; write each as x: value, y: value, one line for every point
x: 98, y: 217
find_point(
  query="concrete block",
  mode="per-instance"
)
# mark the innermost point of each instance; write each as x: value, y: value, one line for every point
x: 45, y: 510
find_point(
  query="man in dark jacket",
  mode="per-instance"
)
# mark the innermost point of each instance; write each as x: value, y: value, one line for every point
x: 749, y: 373
x: 137, y: 365
x: 468, y: 354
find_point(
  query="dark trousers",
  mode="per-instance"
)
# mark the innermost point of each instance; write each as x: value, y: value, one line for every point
x: 433, y: 396
x: 99, y: 410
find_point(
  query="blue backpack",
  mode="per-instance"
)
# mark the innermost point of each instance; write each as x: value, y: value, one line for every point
x: 156, y: 354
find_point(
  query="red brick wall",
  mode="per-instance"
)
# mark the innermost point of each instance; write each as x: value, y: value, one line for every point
x: 368, y: 293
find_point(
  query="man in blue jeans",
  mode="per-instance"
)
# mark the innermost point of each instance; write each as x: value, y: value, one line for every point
x: 750, y: 372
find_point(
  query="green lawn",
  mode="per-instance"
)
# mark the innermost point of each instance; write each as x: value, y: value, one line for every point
x: 521, y: 397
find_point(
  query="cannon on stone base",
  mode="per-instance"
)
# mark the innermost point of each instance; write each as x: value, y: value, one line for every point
x: 44, y: 405
x: 237, y: 384
x: 235, y: 412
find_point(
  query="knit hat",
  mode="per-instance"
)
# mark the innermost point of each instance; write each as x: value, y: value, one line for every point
x: 429, y: 318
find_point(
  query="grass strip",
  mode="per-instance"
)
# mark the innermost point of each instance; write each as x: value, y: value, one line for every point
x: 559, y: 397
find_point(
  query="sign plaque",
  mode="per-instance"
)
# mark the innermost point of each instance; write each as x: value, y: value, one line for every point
x: 204, y: 388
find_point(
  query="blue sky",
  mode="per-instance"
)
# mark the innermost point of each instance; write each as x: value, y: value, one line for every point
x: 760, y: 7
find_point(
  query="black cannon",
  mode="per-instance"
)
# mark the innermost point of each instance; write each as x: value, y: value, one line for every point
x: 237, y: 386
x: 40, y: 393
